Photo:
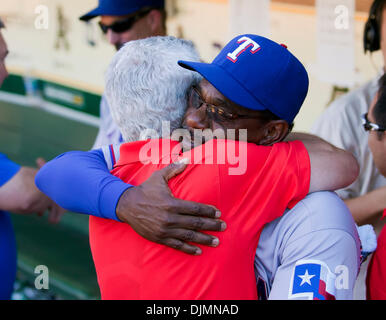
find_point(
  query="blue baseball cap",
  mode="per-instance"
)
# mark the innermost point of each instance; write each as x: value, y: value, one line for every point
x: 259, y: 74
x: 121, y: 7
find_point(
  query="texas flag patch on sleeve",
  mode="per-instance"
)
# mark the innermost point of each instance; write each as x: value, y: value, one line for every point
x: 313, y: 280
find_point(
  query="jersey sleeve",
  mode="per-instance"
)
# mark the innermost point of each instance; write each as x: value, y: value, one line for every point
x: 81, y: 182
x: 8, y: 169
x: 275, y: 178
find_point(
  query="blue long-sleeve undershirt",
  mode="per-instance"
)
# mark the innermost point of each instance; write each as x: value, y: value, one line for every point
x: 81, y: 182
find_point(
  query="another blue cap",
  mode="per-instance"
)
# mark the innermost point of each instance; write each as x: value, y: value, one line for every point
x: 259, y: 74
x: 121, y: 7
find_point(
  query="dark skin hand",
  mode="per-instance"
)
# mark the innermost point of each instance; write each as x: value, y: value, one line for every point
x: 155, y: 214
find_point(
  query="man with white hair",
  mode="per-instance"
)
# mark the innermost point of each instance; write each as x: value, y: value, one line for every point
x: 121, y: 22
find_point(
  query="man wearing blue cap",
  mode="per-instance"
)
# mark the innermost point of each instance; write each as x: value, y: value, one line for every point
x: 312, y: 251
x: 242, y: 90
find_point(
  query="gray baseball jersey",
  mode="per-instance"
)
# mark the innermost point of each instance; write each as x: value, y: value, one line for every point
x: 311, y: 252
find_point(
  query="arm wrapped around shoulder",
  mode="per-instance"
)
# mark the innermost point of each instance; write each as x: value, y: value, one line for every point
x: 332, y: 168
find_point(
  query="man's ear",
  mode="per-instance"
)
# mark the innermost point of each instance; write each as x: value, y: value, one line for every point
x: 154, y: 19
x: 274, y: 131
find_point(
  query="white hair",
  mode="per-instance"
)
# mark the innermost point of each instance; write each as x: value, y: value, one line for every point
x: 145, y: 85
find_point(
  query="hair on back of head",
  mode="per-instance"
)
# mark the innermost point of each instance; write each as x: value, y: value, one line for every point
x: 145, y: 86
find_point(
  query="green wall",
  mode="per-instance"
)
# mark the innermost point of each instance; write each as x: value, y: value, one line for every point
x: 27, y: 133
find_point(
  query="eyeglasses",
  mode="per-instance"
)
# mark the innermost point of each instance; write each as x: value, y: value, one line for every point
x: 125, y: 24
x: 196, y: 101
x: 369, y: 126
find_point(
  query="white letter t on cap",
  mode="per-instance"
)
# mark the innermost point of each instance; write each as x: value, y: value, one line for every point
x: 245, y: 43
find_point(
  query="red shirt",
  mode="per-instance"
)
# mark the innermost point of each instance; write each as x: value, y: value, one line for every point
x: 131, y: 267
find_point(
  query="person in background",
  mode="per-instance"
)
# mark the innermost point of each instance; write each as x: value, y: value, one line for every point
x: 366, y: 197
x: 18, y: 194
x: 374, y: 122
x: 121, y: 22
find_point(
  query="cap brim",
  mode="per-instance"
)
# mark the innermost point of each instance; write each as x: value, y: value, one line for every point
x: 92, y: 14
x: 224, y: 83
